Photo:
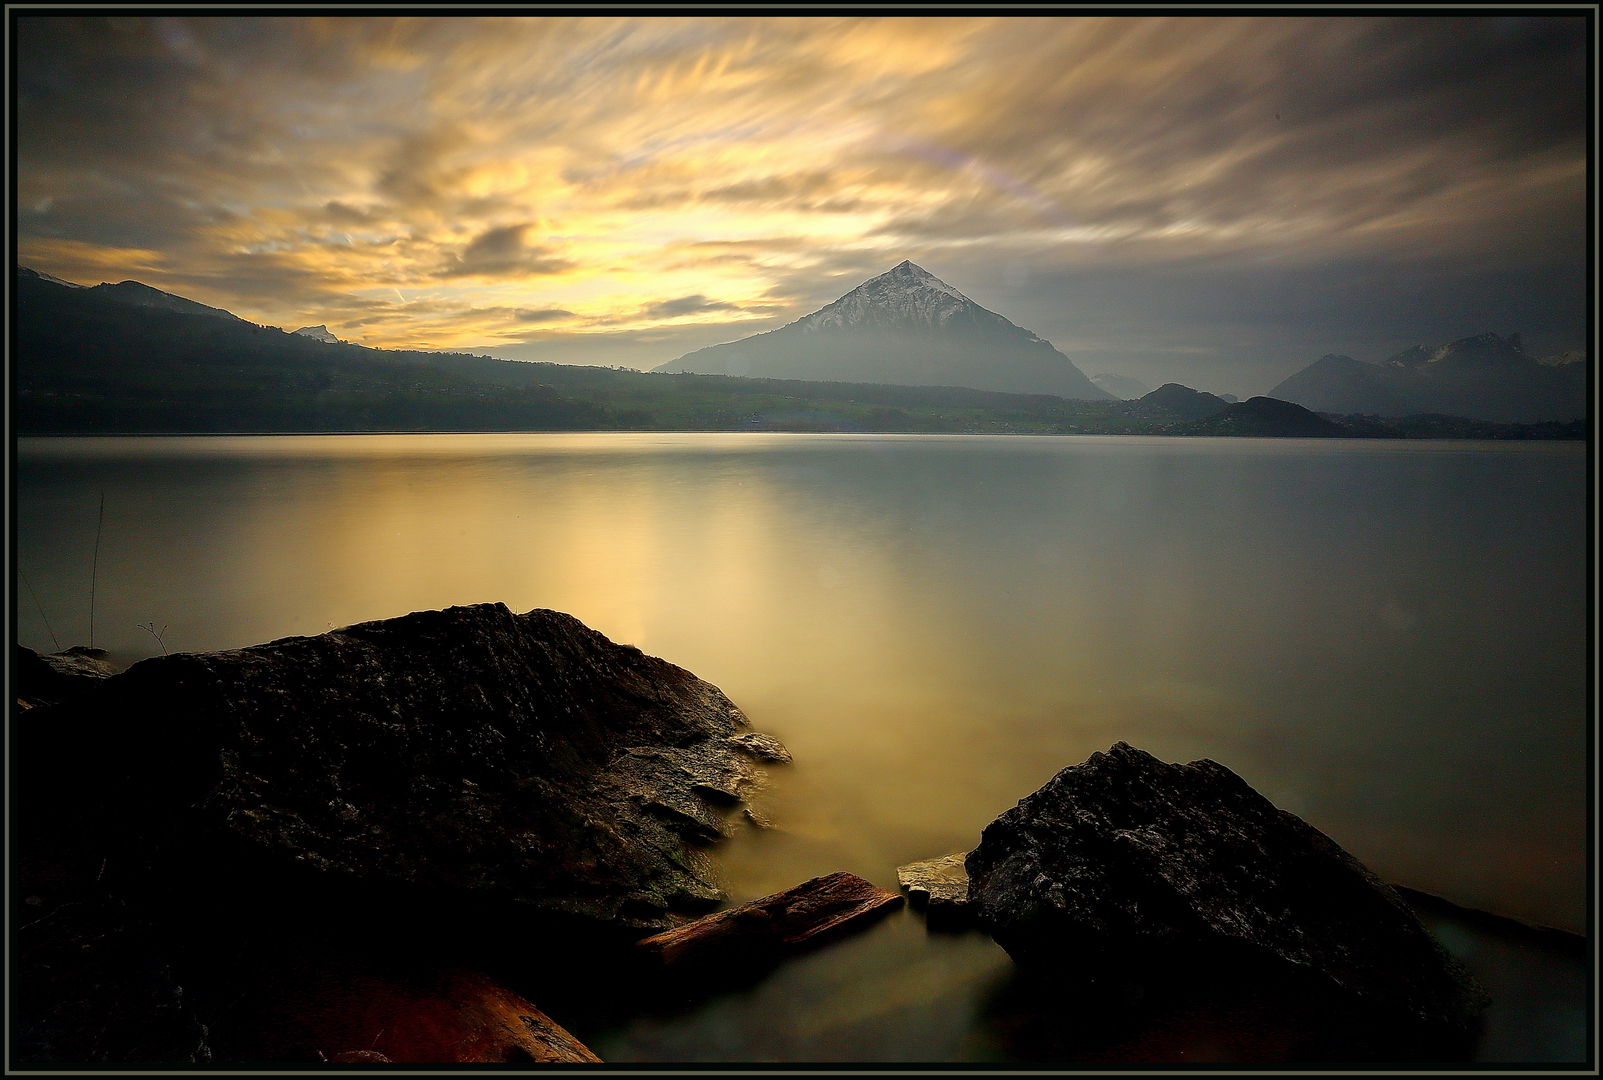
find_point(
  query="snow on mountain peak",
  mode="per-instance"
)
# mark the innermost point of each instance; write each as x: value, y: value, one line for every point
x: 41, y: 275
x: 906, y: 292
x: 909, y: 271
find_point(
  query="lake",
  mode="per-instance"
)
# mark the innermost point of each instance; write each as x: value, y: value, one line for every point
x: 1386, y: 638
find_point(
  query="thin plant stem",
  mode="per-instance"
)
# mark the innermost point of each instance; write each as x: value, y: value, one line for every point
x: 94, y: 570
x: 41, y: 608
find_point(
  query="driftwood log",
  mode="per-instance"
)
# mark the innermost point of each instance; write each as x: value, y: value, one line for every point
x: 785, y: 922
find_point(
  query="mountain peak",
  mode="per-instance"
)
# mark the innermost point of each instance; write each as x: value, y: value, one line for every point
x: 137, y: 292
x: 908, y: 327
x: 1479, y: 349
x: 906, y: 294
x: 910, y: 272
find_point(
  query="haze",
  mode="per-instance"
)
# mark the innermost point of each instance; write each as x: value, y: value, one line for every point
x: 1214, y: 201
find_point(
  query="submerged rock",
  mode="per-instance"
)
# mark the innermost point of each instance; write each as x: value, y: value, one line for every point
x: 939, y: 886
x: 769, y: 927
x: 1128, y: 852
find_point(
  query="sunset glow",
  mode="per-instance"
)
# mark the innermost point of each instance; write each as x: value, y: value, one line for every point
x: 599, y: 190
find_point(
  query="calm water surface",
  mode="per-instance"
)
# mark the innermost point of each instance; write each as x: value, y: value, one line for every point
x: 1385, y: 638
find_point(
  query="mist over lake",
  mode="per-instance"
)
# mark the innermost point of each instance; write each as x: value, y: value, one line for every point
x: 1386, y: 638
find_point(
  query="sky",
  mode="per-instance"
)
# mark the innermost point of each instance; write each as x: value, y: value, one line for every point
x: 1216, y: 201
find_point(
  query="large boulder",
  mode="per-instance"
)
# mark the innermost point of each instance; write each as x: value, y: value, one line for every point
x: 1125, y: 853
x: 469, y: 750
x: 465, y: 783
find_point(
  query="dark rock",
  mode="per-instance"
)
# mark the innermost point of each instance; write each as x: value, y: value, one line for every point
x: 939, y: 886
x: 762, y: 747
x: 332, y: 1009
x: 784, y: 922
x: 470, y: 749
x: 1221, y: 1004
x: 467, y: 782
x: 1125, y: 852
x: 57, y: 677
x: 94, y: 984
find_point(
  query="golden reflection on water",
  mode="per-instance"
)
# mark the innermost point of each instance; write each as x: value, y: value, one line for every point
x: 1385, y: 638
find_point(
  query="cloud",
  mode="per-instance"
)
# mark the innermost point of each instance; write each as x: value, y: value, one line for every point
x: 504, y: 252
x: 442, y: 175
x: 685, y: 305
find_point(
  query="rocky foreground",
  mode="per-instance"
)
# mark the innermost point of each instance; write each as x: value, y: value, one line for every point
x: 352, y: 847
x: 461, y: 772
x: 1128, y: 852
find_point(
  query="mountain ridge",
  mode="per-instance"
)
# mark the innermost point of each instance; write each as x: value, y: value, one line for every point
x: 1483, y: 377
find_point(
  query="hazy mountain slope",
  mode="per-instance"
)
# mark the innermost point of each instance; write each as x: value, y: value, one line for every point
x: 1262, y: 416
x: 1121, y: 386
x: 904, y: 327
x: 1172, y: 399
x: 1340, y: 384
x: 100, y: 359
x: 1485, y: 377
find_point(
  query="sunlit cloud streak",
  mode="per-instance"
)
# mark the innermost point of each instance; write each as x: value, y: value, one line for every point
x: 622, y: 190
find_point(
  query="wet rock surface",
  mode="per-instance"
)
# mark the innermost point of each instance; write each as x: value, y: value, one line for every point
x: 762, y: 747
x: 788, y: 921
x: 1128, y: 855
x: 939, y: 886
x: 458, y: 782
x: 467, y: 749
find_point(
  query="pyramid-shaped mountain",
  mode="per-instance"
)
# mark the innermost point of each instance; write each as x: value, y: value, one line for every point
x: 905, y: 327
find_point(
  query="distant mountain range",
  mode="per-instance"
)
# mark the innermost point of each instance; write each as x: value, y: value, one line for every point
x: 1485, y: 377
x: 130, y: 358
x: 905, y: 327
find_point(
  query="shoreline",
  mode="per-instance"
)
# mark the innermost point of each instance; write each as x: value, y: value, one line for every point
x: 762, y: 431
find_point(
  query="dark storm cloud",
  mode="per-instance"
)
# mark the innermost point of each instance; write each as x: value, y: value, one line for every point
x: 1254, y: 112
x: 504, y: 252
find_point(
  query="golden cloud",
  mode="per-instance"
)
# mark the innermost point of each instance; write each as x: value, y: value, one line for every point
x: 472, y: 177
